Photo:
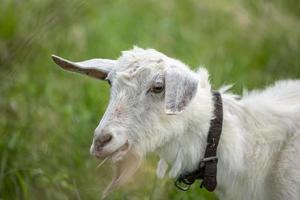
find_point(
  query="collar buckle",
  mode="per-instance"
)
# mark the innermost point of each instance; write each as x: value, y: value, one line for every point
x: 208, y: 159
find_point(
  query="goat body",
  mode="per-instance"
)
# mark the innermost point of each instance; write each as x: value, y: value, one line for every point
x: 159, y: 105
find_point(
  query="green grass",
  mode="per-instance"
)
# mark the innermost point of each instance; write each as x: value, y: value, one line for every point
x: 47, y: 116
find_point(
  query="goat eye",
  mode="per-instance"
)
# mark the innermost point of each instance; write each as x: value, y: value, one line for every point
x: 158, y: 84
x: 157, y: 88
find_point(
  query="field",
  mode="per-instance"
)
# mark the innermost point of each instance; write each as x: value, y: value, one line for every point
x: 47, y: 116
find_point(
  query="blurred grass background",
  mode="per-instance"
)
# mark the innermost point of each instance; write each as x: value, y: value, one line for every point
x: 47, y: 116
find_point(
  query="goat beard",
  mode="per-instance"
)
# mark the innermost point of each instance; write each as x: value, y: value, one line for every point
x: 125, y: 168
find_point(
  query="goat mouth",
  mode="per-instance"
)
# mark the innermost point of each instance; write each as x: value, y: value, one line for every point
x: 116, y: 155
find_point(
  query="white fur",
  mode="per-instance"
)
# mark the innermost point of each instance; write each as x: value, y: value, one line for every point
x: 259, y: 149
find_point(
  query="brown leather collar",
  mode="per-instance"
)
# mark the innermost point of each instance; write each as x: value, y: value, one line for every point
x: 207, y: 169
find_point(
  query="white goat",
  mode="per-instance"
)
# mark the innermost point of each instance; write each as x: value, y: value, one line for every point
x: 159, y: 105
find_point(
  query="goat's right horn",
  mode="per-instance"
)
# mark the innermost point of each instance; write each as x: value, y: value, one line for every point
x: 97, y: 68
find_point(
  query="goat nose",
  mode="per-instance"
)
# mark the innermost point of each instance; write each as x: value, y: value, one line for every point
x: 102, y: 140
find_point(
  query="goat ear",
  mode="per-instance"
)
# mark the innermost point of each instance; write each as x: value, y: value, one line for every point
x: 97, y: 68
x: 181, y: 87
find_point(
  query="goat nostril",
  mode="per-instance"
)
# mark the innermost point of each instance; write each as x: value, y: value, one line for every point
x: 104, y: 139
